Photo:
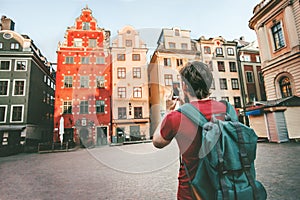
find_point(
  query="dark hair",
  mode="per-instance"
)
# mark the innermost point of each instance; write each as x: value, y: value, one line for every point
x: 198, y: 77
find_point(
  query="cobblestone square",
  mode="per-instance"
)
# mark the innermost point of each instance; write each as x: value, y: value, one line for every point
x: 137, y: 171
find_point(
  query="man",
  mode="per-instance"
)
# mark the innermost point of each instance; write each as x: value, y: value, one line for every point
x: 196, y: 82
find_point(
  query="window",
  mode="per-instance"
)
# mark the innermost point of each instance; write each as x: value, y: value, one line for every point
x: 184, y: 46
x: 84, y: 107
x: 172, y: 45
x: 121, y: 92
x: 92, y: 43
x: 285, y: 87
x: 246, y: 58
x: 260, y: 77
x: 235, y: 83
x: 84, y: 81
x: 121, y: 72
x: 122, y: 113
x: 136, y: 57
x: 167, y: 61
x: 121, y: 57
x: 136, y: 72
x: 19, y: 88
x: 85, y: 26
x: 1, y: 45
x: 249, y: 77
x: 21, y: 65
x: 223, y: 84
x: 277, y: 34
x: 237, y: 102
x: 168, y: 79
x: 85, y: 60
x: 67, y: 107
x: 257, y: 59
x: 100, y: 60
x: 225, y: 98
x: 219, y: 51
x: 177, y: 33
x: 138, y: 112
x: 4, y: 65
x: 100, y: 105
x: 232, y: 67
x: 207, y: 50
x: 179, y: 62
x: 100, y: 82
x: 77, y: 42
x: 3, y: 109
x: 230, y: 51
x: 137, y: 92
x: 128, y: 43
x: 68, y: 81
x: 17, y: 113
x: 69, y: 60
x: 14, y: 46
x: 4, y: 87
x: 221, y: 66
x: 213, y: 84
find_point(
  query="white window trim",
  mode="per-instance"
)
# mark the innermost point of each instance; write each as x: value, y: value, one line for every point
x: 9, y: 66
x: 5, y: 113
x: 7, y: 87
x: 15, y: 69
x: 11, y: 113
x: 13, y: 92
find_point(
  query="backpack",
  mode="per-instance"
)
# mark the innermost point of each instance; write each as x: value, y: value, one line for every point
x: 226, y: 158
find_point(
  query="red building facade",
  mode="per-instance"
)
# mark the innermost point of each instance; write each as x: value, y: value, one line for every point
x: 83, y: 84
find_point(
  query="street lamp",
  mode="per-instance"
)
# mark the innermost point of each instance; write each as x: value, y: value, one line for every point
x: 241, y: 76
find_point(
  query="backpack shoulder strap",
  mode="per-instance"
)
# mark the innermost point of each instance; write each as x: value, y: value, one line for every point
x: 193, y: 114
x: 230, y: 110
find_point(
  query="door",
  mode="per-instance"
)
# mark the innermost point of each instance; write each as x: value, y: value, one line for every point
x: 101, y: 136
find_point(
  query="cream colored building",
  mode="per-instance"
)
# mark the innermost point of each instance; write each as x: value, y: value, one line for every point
x: 130, y: 102
x: 175, y: 48
x: 220, y: 56
x: 277, y: 26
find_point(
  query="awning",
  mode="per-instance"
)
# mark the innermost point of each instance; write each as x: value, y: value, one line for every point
x: 12, y: 127
x: 253, y: 112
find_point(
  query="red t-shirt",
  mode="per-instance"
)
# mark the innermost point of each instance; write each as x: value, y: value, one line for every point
x: 177, y: 125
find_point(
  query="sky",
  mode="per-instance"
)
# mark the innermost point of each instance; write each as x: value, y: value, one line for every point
x: 46, y: 21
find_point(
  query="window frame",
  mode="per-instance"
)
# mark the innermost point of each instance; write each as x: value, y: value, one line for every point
x: 16, y: 65
x: 136, y: 57
x: 121, y: 57
x: 138, y: 112
x: 14, y: 87
x: 9, y: 65
x: 100, y: 106
x: 84, y: 107
x: 122, y: 113
x: 235, y: 84
x: 121, y: 91
x: 121, y: 72
x: 67, y: 107
x: 68, y: 80
x: 4, y: 113
x: 278, y: 36
x: 84, y: 81
x: 7, y: 87
x: 137, y: 72
x: 247, y: 73
x: 12, y: 113
x: 137, y: 92
x: 168, y: 79
x: 223, y: 84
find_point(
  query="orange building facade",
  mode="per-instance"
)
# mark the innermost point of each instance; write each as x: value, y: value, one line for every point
x: 83, y: 84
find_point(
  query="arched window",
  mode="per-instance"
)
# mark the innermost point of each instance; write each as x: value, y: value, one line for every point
x: 285, y: 87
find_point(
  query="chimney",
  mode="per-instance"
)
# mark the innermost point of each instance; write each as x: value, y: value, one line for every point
x: 7, y: 24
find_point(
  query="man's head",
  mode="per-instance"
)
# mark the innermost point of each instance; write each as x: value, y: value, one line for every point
x: 198, y: 79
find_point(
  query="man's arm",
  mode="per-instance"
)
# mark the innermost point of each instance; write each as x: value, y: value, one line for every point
x: 158, y: 140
